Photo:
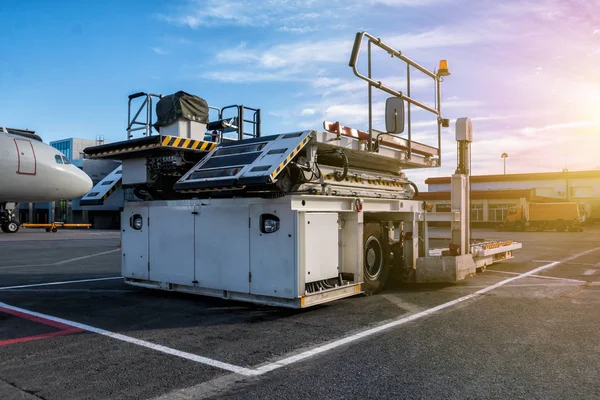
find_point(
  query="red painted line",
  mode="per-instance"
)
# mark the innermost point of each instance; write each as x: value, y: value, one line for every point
x: 40, y: 320
x: 63, y: 328
x: 42, y: 336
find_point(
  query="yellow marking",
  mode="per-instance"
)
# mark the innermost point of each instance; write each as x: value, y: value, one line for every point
x: 196, y: 144
x: 204, y: 146
x: 186, y: 143
x: 302, y: 301
x: 176, y: 142
x: 166, y: 140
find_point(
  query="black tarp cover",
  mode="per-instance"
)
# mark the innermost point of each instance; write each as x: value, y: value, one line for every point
x: 181, y: 105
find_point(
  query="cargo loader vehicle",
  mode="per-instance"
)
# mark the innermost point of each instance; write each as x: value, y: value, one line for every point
x: 292, y: 219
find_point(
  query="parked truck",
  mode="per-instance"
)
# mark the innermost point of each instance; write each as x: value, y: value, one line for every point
x: 544, y: 216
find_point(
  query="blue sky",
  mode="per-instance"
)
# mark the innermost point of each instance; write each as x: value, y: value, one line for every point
x: 526, y: 72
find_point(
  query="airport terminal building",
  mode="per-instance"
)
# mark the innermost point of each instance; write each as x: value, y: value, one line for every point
x: 492, y: 195
x: 105, y: 216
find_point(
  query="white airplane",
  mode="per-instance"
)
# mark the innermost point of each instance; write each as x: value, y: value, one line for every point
x: 31, y: 171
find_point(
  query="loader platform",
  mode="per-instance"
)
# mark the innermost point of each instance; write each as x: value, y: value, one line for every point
x: 150, y: 145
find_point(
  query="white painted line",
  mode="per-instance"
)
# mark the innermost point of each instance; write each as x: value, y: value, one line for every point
x: 298, y: 357
x: 330, y: 346
x: 60, y: 262
x: 590, y: 272
x: 142, y: 343
x: 539, y: 276
x: 60, y: 283
x: 84, y: 257
x: 566, y: 263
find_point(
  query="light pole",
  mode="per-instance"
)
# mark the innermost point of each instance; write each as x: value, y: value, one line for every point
x: 566, y: 172
x: 504, y: 156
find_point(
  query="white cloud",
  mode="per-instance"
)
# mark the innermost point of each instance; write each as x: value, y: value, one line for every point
x: 560, y: 126
x: 160, y: 51
x: 407, y: 3
x: 308, y: 111
x: 295, y: 16
x: 303, y: 29
x: 245, y: 76
x: 441, y: 37
x: 289, y: 54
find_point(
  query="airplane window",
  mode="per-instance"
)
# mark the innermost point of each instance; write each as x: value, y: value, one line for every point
x: 58, y: 159
x: 66, y: 160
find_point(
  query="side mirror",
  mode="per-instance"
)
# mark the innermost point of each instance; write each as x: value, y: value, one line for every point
x: 394, y: 115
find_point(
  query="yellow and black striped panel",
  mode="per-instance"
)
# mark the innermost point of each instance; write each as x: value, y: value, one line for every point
x: 354, y: 179
x: 290, y: 157
x: 112, y: 189
x: 125, y: 149
x: 183, y: 143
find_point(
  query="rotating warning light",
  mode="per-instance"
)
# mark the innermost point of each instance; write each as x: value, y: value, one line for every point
x: 443, y: 69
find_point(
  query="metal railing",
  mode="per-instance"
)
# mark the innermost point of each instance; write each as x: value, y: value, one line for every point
x: 132, y: 123
x: 240, y: 120
x: 436, y: 77
x: 223, y: 125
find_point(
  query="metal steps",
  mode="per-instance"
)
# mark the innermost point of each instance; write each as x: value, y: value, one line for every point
x: 103, y: 189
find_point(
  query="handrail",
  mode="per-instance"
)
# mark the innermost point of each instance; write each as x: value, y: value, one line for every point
x: 379, y: 85
x: 395, y: 53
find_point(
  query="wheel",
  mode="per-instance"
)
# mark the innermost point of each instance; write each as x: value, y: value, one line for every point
x: 376, y: 263
x: 560, y: 225
x: 54, y: 230
x: 519, y: 226
x: 10, y: 227
x: 48, y: 229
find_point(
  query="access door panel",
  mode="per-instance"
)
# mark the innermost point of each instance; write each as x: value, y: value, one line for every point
x: 222, y: 248
x: 171, y: 241
x: 26, y: 157
x: 273, y: 260
x: 134, y: 243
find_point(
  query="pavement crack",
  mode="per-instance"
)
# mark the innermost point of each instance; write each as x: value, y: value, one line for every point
x: 12, y: 391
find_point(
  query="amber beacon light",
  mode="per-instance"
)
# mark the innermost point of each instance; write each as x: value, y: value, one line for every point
x: 443, y: 70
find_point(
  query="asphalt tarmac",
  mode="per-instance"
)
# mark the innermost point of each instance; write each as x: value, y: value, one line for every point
x: 525, y: 328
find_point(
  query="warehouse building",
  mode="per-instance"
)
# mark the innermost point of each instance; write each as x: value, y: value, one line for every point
x: 492, y: 195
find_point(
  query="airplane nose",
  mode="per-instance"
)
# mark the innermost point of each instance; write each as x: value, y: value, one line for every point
x: 81, y: 184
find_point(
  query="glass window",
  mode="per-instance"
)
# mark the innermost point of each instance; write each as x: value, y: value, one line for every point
x: 66, y: 160
x: 581, y: 191
x: 476, y: 212
x: 498, y: 212
x: 58, y: 159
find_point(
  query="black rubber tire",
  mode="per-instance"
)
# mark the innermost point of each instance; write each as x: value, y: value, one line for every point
x: 376, y: 258
x: 48, y: 229
x: 519, y: 226
x: 10, y: 227
x: 54, y: 230
x: 560, y: 225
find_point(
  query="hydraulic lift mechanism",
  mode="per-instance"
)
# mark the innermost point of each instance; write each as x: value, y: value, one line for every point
x: 292, y: 219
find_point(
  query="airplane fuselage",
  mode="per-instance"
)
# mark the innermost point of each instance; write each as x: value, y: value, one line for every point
x: 31, y: 171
